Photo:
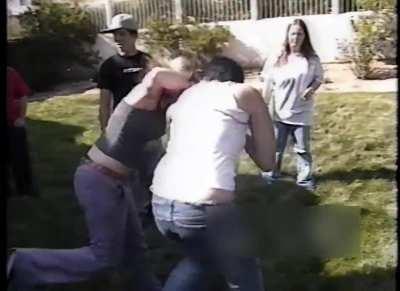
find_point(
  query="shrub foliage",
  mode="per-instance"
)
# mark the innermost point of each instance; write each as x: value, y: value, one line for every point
x: 55, y: 36
x: 192, y: 39
x: 375, y: 36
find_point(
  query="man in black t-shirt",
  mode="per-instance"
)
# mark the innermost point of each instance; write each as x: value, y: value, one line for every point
x: 117, y: 76
x: 122, y: 71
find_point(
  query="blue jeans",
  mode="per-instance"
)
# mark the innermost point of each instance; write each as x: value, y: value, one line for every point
x: 116, y: 240
x: 301, y: 139
x: 213, y: 240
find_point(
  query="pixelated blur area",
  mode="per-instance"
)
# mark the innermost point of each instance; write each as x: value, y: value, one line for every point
x: 333, y: 231
x: 325, y: 231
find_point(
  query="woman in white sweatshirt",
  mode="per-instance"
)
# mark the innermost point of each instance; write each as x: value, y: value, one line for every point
x: 291, y: 80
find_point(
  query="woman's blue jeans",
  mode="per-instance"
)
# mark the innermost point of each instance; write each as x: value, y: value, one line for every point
x: 214, y: 242
x: 301, y: 139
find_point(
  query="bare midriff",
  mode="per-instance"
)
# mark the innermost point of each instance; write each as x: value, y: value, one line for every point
x: 97, y: 156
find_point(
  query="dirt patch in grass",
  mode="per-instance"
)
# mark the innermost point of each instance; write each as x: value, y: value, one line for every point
x: 340, y: 78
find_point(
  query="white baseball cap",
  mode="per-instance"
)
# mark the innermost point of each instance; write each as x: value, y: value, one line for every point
x: 121, y: 21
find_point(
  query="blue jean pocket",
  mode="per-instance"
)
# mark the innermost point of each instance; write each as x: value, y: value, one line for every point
x: 161, y: 208
x: 189, y: 215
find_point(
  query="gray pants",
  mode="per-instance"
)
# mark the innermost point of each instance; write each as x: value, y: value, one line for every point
x: 116, y: 240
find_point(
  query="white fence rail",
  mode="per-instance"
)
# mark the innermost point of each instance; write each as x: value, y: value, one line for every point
x: 146, y: 11
x: 278, y: 8
x: 203, y: 11
x: 98, y: 15
x: 214, y: 10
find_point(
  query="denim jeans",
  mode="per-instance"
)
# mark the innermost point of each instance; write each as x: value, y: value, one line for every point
x: 213, y: 240
x: 116, y: 240
x: 301, y: 139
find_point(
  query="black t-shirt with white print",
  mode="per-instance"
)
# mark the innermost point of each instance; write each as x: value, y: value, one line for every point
x: 120, y: 74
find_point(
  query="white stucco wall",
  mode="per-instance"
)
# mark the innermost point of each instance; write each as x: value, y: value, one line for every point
x: 255, y: 40
x: 17, y: 7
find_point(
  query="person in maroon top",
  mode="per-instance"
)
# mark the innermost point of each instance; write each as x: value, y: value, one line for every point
x: 19, y: 170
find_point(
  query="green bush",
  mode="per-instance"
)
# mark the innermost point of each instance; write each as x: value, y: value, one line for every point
x: 55, y: 36
x: 377, y: 5
x: 385, y: 26
x: 375, y: 36
x: 362, y: 49
x: 192, y: 40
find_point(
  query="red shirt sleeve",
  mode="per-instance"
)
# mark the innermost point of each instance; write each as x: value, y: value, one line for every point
x: 16, y: 89
x: 20, y: 87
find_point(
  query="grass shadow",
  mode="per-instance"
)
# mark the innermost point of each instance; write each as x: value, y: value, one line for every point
x: 252, y: 188
x: 374, y: 278
x: 300, y: 277
x: 54, y: 220
x: 357, y: 174
x: 56, y: 151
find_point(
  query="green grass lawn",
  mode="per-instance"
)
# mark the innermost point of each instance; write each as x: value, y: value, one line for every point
x: 354, y: 154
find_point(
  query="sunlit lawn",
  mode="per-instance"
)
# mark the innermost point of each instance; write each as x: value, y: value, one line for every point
x: 354, y: 153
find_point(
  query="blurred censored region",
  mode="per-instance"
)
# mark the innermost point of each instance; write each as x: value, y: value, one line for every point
x: 324, y: 231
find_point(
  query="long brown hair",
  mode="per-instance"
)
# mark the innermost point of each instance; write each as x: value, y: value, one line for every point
x: 306, y: 49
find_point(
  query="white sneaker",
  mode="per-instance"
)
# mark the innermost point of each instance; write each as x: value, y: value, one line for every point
x: 269, y: 177
x: 308, y: 185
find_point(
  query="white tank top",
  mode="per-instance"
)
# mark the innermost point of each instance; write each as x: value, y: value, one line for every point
x: 207, y: 136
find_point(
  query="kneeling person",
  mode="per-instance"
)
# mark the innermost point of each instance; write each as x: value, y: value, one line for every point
x: 116, y: 236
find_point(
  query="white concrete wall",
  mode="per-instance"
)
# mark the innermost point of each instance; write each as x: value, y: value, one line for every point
x: 255, y: 40
x: 16, y: 7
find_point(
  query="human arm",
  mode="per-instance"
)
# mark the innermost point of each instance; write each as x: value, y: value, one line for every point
x: 148, y: 93
x: 22, y: 91
x: 105, y: 107
x: 20, y: 121
x: 104, y: 83
x: 260, y: 143
x: 317, y: 78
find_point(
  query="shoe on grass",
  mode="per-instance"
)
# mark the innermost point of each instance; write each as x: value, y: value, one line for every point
x: 308, y: 185
x: 269, y: 177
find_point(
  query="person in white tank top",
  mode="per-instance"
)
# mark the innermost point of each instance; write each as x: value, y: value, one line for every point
x: 194, y: 183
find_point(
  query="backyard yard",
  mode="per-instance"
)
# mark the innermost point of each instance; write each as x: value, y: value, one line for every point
x: 354, y: 146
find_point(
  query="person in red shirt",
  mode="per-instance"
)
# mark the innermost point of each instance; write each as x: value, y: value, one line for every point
x: 19, y: 180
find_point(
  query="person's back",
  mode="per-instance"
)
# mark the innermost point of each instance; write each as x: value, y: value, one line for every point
x: 209, y: 142
x: 194, y: 183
